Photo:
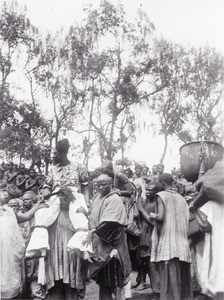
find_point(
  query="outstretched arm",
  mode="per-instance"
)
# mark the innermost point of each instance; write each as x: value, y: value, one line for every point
x: 22, y: 217
x: 144, y: 213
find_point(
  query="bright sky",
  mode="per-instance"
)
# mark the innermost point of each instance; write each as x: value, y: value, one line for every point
x: 187, y: 21
x: 191, y: 22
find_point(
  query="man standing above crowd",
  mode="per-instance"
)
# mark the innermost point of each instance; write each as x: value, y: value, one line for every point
x: 66, y: 273
x: 170, y: 242
x: 63, y: 172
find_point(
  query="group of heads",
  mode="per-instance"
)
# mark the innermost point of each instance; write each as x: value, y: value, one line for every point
x: 10, y: 166
x: 143, y: 170
x: 24, y: 203
x: 17, y: 201
x: 12, y: 196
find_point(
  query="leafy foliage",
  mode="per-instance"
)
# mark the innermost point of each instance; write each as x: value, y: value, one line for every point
x: 97, y: 77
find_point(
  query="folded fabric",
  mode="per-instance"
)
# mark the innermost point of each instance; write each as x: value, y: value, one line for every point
x: 76, y: 242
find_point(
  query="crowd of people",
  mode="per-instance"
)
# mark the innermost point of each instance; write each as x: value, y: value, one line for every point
x: 71, y: 226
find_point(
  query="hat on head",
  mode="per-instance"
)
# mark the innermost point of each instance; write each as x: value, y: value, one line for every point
x: 63, y: 146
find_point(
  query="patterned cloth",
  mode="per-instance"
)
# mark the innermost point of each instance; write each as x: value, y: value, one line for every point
x: 104, y: 278
x: 62, y: 265
x: 66, y: 175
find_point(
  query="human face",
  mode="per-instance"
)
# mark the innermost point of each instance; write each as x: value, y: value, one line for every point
x: 103, y: 188
x: 65, y: 201
x: 4, y: 197
x: 22, y: 169
x: 137, y: 172
x: 57, y: 157
x: 150, y: 191
x: 154, y: 170
x: 41, y: 180
x: 27, y: 201
x: 127, y: 173
x: 160, y: 169
x: 32, y: 174
x: 179, y: 173
x: 144, y: 171
x: 10, y: 167
x: 14, y: 205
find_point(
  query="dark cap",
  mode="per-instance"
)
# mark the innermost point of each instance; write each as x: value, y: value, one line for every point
x: 62, y: 146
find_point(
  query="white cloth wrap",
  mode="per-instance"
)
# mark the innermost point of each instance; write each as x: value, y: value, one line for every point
x: 79, y: 221
x: 212, y: 266
x: 47, y: 216
x: 44, y: 217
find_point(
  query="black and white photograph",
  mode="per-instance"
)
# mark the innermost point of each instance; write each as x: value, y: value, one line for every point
x: 111, y: 149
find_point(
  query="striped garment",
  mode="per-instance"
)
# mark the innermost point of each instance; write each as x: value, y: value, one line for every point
x: 172, y: 241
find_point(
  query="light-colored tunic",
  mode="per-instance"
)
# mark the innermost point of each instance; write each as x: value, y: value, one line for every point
x: 212, y: 266
x: 173, y: 241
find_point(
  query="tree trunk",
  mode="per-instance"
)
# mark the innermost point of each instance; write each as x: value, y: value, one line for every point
x: 48, y: 162
x: 110, y: 152
x: 165, y: 148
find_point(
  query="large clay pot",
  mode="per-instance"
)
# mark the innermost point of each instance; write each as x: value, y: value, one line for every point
x: 192, y: 154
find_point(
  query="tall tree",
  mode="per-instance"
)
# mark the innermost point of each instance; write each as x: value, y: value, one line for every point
x: 110, y: 61
x: 168, y: 106
x: 204, y: 78
x: 52, y: 74
x: 21, y: 123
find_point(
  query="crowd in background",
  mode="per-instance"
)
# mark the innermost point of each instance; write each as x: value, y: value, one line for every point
x: 146, y: 213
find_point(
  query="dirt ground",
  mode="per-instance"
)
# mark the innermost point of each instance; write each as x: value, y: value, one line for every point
x: 92, y: 291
